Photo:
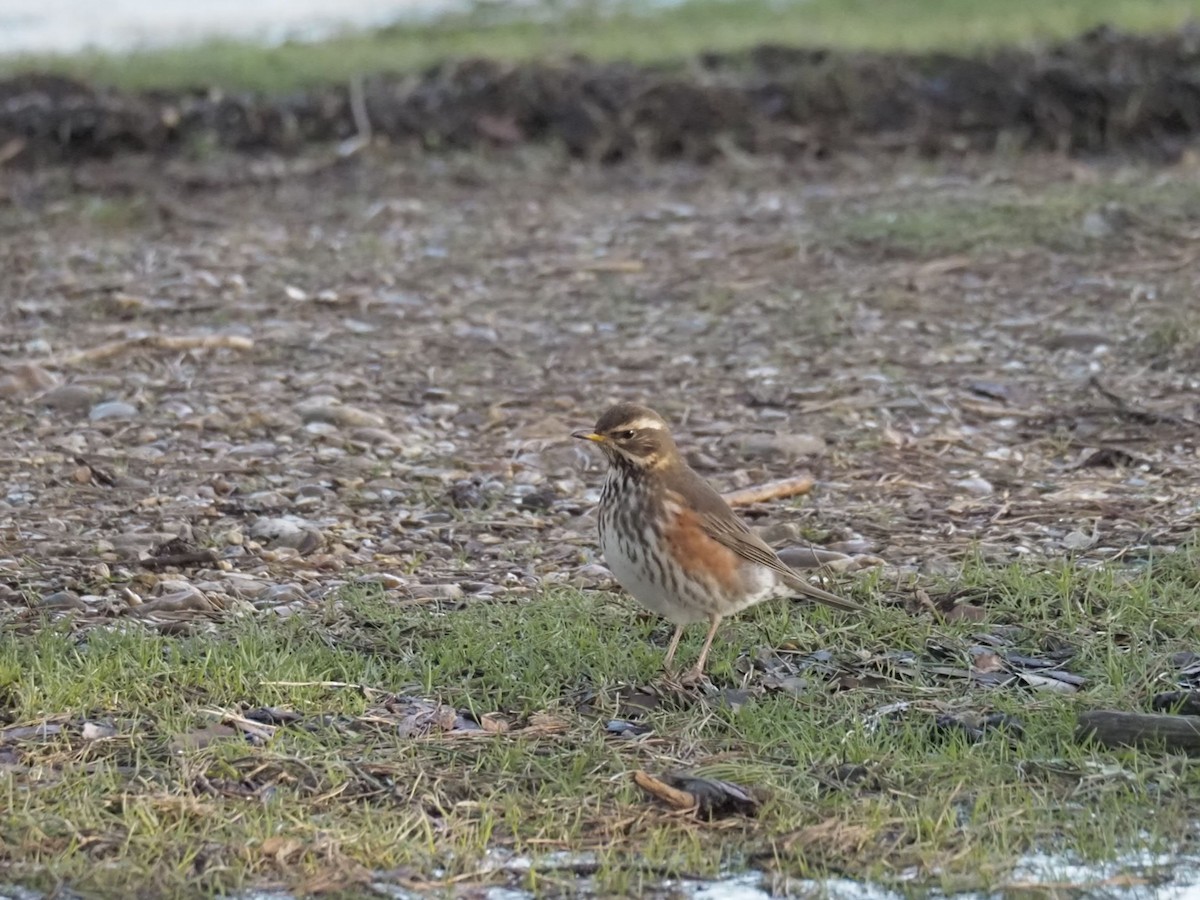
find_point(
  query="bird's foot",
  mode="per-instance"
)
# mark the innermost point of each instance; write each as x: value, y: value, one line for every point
x: 684, y: 687
x: 693, y: 677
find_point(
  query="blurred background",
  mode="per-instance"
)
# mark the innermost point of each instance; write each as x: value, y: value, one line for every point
x: 64, y: 26
x: 86, y: 39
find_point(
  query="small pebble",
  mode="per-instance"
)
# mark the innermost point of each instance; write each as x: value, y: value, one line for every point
x: 113, y: 409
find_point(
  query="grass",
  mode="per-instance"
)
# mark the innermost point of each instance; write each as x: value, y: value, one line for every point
x: 343, y: 793
x: 1060, y: 217
x: 611, y: 31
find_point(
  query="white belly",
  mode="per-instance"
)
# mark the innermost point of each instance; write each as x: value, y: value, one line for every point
x: 645, y: 582
x: 680, y: 600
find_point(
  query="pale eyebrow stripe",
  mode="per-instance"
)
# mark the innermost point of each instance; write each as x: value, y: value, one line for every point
x: 643, y: 423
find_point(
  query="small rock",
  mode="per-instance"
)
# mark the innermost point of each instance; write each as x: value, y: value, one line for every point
x: 321, y: 429
x: 1106, y: 221
x: 277, y: 594
x: 464, y: 331
x: 1095, y: 225
x: 469, y: 493
x: 286, y: 610
x: 261, y: 501
x: 978, y: 487
x: 135, y: 541
x: 74, y: 398
x: 241, y: 585
x: 788, y: 684
x: 1079, y: 540
x: 190, y: 600
x: 779, y: 533
x: 256, y: 448
x: 1079, y: 339
x: 113, y: 409
x: 62, y: 600
x: 94, y: 731
x: 540, y: 499
x: 287, y: 531
x: 815, y: 558
x: 24, y: 379
x: 374, y: 436
x: 438, y: 591
x: 593, y: 572
x: 174, y: 586
x: 765, y: 446
x: 384, y: 579
x: 698, y: 459
x: 853, y: 547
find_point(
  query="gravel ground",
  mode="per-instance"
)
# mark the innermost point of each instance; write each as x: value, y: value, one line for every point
x: 240, y: 385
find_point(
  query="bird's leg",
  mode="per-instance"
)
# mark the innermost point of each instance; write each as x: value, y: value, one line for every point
x: 674, y: 645
x: 696, y: 673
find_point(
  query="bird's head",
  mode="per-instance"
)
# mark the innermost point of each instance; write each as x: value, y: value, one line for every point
x: 632, y: 436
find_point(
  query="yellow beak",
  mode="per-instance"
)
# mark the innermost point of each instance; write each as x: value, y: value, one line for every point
x: 589, y: 436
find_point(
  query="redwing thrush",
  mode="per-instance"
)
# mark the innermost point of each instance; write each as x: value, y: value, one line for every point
x: 672, y: 541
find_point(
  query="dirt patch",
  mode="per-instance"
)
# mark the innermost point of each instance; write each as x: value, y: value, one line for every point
x: 1104, y: 91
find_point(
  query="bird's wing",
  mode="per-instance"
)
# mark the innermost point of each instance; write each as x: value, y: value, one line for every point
x: 723, y: 525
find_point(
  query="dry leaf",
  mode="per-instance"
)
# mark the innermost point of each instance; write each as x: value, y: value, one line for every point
x: 965, y: 612
x: 1044, y: 683
x: 987, y: 662
x: 494, y: 723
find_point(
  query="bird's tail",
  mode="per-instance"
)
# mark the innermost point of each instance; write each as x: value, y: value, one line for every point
x: 812, y: 592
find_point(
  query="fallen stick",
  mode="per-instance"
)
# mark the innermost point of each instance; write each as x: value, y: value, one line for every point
x: 172, y: 343
x: 671, y: 796
x: 1112, y: 728
x: 775, y: 490
x: 365, y: 689
x: 259, y: 730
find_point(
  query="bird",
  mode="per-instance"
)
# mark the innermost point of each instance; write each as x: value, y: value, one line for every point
x: 673, y: 542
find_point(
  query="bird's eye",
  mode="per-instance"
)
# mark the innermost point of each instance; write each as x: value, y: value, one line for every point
x: 627, y: 435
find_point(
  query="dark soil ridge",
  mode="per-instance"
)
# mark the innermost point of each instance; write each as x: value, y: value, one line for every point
x: 1105, y: 91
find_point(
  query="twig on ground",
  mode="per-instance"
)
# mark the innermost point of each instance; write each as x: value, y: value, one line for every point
x: 673, y: 797
x: 1122, y: 407
x: 775, y: 490
x: 249, y: 726
x: 330, y: 684
x: 168, y: 342
x: 362, y: 120
x: 1113, y: 728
